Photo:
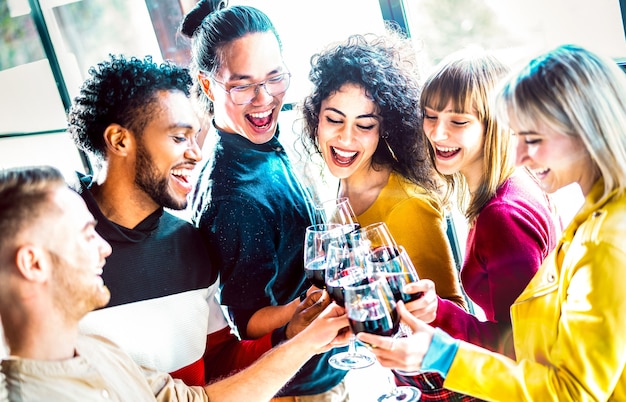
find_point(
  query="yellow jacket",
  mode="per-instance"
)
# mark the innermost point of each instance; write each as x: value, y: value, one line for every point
x: 416, y: 221
x: 569, y: 324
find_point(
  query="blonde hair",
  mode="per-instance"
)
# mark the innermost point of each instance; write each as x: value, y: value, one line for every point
x: 467, y: 80
x: 575, y: 92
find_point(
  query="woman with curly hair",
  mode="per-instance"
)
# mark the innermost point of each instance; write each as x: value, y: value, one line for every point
x: 362, y: 117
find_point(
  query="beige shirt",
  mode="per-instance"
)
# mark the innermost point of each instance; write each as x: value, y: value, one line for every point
x: 100, y: 372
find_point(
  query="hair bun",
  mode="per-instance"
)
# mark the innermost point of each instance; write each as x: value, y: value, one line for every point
x: 196, y: 15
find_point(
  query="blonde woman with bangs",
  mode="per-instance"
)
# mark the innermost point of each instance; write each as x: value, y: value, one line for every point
x: 568, y: 112
x: 511, y: 222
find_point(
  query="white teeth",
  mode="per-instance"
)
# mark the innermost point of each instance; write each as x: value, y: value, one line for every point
x: 344, y: 154
x: 261, y: 115
x: 181, y: 172
x: 540, y: 171
x: 445, y: 149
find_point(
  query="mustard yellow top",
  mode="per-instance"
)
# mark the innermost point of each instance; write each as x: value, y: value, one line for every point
x: 416, y: 221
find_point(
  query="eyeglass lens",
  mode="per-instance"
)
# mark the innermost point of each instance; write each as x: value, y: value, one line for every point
x: 274, y: 86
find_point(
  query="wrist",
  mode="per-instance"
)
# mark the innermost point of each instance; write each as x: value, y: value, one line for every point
x: 279, y: 335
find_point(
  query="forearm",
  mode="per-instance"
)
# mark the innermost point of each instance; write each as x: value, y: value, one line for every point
x: 225, y: 354
x: 495, y: 336
x: 264, y: 378
x: 269, y: 318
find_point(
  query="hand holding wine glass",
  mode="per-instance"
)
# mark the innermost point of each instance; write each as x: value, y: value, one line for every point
x: 395, y: 266
x: 371, y: 308
x: 346, y: 266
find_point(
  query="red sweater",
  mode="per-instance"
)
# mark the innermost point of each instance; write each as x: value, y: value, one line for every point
x: 512, y: 235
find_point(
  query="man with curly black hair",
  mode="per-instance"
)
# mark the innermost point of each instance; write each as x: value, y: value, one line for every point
x: 136, y: 118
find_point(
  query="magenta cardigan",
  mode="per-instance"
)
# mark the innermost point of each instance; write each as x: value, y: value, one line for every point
x: 512, y: 235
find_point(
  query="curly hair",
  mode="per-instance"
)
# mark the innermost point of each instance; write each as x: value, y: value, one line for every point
x: 385, y: 66
x: 121, y: 91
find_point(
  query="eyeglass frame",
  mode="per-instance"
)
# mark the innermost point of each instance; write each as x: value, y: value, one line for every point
x: 256, y: 85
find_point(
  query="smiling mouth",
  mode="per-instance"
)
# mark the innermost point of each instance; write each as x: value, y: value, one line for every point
x: 446, y: 152
x: 182, y: 174
x: 343, y: 157
x: 183, y: 177
x: 260, y: 120
x: 540, y: 172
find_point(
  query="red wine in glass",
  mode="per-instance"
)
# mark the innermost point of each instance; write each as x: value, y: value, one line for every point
x: 315, y: 272
x: 373, y: 319
x: 396, y: 282
x: 396, y: 267
x: 352, y: 276
x: 384, y: 254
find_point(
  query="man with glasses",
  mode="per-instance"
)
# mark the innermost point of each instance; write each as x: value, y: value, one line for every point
x: 248, y: 201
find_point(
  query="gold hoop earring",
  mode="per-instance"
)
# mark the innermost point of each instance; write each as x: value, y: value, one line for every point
x: 393, y: 154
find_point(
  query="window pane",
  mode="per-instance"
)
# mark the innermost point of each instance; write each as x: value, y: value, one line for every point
x: 305, y: 27
x: 82, y: 33
x: 56, y: 149
x: 20, y: 41
x: 515, y: 29
x: 30, y: 100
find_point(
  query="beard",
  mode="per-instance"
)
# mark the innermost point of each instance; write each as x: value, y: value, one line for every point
x: 73, y: 296
x: 149, y: 180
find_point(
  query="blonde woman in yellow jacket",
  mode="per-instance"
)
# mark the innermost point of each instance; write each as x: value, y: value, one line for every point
x: 568, y: 110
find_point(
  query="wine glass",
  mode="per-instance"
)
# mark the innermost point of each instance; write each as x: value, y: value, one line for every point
x: 345, y: 265
x: 316, y: 240
x: 376, y: 236
x: 336, y: 210
x: 371, y: 308
x: 397, y: 271
x: 394, y: 265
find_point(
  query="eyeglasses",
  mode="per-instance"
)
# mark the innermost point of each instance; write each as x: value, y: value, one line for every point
x: 245, y: 94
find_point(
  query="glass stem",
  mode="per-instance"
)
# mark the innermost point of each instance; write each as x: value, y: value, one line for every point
x: 352, y: 345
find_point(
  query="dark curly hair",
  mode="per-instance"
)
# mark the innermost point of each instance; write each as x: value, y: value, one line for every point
x: 121, y: 91
x: 386, y: 67
x: 212, y: 25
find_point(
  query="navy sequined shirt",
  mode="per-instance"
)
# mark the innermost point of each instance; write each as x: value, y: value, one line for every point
x: 254, y: 212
